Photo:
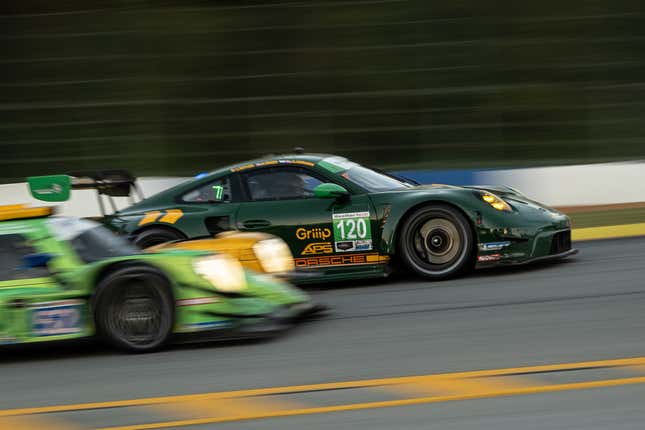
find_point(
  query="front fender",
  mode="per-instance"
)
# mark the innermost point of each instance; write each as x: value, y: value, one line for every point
x: 394, y: 207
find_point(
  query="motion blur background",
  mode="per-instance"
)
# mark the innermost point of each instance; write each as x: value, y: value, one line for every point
x: 177, y: 87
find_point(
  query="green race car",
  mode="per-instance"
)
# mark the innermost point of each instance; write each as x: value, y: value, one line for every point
x: 343, y: 220
x: 64, y: 278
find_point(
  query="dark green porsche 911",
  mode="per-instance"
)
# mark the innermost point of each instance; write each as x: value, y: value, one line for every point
x: 343, y: 220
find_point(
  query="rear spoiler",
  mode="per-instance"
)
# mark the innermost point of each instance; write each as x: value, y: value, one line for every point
x: 110, y: 183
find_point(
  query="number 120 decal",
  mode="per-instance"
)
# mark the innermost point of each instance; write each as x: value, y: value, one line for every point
x: 352, y: 231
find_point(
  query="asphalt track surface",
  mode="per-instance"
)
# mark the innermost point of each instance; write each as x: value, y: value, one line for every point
x: 590, y: 308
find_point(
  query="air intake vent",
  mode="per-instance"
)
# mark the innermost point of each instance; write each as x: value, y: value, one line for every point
x: 217, y: 224
x: 561, y: 242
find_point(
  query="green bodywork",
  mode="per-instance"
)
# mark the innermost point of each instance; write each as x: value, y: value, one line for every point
x: 311, y: 226
x: 55, y: 303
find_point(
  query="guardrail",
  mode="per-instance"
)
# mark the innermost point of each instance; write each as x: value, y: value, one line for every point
x: 576, y: 185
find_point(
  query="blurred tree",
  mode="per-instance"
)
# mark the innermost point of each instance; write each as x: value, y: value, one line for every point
x: 175, y: 87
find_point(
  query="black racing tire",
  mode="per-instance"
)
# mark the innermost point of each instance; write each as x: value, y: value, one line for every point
x: 437, y: 242
x: 134, y: 309
x: 156, y: 236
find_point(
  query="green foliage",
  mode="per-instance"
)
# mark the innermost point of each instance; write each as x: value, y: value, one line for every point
x: 181, y: 87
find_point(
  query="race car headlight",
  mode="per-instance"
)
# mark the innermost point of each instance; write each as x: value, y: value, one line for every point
x: 496, y: 202
x: 274, y: 256
x: 225, y: 273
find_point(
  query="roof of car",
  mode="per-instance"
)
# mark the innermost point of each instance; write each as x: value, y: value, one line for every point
x: 278, y: 159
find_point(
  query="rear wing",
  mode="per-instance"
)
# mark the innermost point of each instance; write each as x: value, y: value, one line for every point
x: 110, y: 183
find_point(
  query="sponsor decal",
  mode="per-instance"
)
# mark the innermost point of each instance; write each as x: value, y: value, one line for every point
x: 350, y: 215
x: 170, y: 216
x: 54, y: 189
x: 352, y: 226
x: 57, y: 318
x: 491, y: 257
x: 313, y: 233
x: 208, y: 325
x: 272, y: 163
x: 301, y: 162
x: 318, y: 248
x: 352, y: 231
x: 354, y: 245
x: 493, y: 246
x: 197, y: 301
x: 340, y: 260
x: 266, y: 163
x: 364, y: 245
x: 346, y: 246
x: 245, y: 167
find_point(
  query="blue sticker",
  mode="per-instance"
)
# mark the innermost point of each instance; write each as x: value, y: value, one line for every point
x: 208, y: 325
x: 364, y: 245
x: 57, y: 318
x: 493, y: 246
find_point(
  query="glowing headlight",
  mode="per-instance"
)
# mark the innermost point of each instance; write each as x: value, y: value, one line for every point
x: 496, y: 202
x: 274, y: 256
x: 224, y: 272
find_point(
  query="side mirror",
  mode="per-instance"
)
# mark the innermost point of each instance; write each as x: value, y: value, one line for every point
x: 330, y: 191
x: 32, y: 261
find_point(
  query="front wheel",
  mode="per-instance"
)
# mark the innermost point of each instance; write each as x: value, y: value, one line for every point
x: 134, y: 309
x: 437, y: 242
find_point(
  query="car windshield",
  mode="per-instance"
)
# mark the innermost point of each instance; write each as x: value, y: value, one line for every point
x: 369, y: 179
x: 90, y: 240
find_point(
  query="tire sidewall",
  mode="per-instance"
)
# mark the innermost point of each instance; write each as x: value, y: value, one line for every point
x: 465, y: 260
x: 156, y: 236
x: 103, y: 294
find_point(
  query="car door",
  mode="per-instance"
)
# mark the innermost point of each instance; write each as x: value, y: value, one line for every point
x: 280, y: 201
x: 208, y: 208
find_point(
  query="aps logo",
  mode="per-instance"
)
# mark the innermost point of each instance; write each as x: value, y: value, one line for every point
x: 318, y: 248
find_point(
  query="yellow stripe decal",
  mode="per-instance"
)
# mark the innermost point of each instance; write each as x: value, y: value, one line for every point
x: 150, y: 217
x: 172, y: 216
x: 25, y: 212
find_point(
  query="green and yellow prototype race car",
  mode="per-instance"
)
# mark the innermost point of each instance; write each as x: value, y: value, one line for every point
x: 64, y: 278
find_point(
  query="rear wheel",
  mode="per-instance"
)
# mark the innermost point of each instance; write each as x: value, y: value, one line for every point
x: 436, y: 242
x: 134, y: 309
x: 156, y: 236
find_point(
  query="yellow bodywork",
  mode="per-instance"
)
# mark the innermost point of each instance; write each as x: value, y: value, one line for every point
x: 236, y: 244
x: 10, y: 212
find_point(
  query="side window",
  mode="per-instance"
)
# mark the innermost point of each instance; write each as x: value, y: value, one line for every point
x: 213, y: 192
x: 13, y: 247
x: 281, y: 184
